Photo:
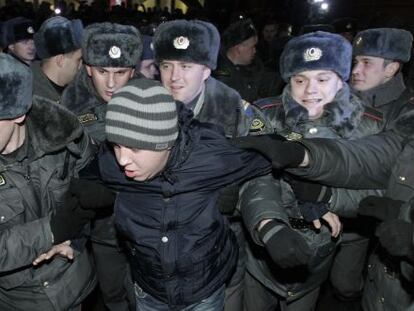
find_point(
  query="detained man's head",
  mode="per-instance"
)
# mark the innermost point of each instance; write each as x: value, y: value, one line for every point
x: 142, y: 125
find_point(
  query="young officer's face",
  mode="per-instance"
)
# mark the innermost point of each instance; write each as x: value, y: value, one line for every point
x: 140, y: 164
x: 183, y: 80
x: 314, y: 89
x: 24, y: 49
x: 107, y: 80
x: 368, y: 72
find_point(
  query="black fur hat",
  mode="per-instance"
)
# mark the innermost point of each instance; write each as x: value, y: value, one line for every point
x: 15, y: 87
x: 17, y: 29
x: 111, y: 45
x: 316, y: 51
x: 58, y: 35
x: 237, y: 32
x: 389, y: 43
x: 192, y: 41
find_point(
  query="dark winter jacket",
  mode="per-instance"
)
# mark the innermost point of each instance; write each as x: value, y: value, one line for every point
x: 32, y: 188
x: 181, y: 249
x: 268, y: 198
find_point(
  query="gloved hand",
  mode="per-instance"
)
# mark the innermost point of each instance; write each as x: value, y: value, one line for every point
x: 381, y: 208
x: 275, y: 147
x: 286, y: 247
x: 310, y: 191
x: 91, y: 194
x: 68, y: 221
x: 312, y: 211
x: 396, y: 236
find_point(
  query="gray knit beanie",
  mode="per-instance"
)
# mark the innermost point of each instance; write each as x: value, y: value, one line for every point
x: 142, y: 115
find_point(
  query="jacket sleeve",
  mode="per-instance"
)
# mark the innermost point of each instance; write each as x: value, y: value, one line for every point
x: 345, y: 202
x: 22, y: 243
x: 359, y: 164
x: 260, y: 199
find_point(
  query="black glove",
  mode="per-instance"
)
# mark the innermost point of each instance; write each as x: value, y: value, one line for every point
x: 275, y: 147
x: 91, y: 194
x: 312, y: 211
x: 68, y: 221
x: 381, y: 208
x: 396, y: 236
x: 286, y: 247
x: 310, y: 191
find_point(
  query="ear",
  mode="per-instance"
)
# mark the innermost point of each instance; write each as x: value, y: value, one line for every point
x: 20, y: 119
x: 391, y: 69
x: 88, y: 70
x: 60, y: 60
x: 11, y: 47
x: 206, y: 73
x: 132, y: 73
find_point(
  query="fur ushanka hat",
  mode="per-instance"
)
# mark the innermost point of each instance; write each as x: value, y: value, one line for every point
x: 15, y: 88
x: 111, y: 45
x: 237, y: 32
x: 58, y: 35
x: 389, y: 43
x: 17, y: 29
x: 191, y: 41
x: 316, y: 51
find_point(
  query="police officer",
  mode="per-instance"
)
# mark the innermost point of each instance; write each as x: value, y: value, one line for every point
x: 186, y: 52
x: 238, y: 66
x: 110, y: 53
x: 317, y: 102
x: 18, y: 38
x: 58, y: 46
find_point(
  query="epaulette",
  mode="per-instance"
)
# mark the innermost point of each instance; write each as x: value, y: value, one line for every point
x: 222, y: 72
x: 268, y: 102
x: 373, y: 114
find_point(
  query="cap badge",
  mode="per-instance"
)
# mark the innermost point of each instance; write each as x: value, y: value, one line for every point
x: 30, y: 30
x: 181, y: 43
x: 358, y: 41
x: 312, y: 54
x: 114, y: 52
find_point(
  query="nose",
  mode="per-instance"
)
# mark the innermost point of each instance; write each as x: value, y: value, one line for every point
x: 176, y: 73
x: 110, y: 82
x: 356, y: 69
x: 310, y: 87
x: 122, y: 155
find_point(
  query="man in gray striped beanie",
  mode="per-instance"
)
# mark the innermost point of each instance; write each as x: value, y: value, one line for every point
x: 142, y: 116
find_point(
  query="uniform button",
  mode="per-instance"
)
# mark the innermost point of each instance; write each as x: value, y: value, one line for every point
x: 382, y: 300
x: 313, y: 130
x: 45, y: 284
x: 249, y: 86
x: 290, y: 293
x: 164, y: 239
x: 369, y: 266
x: 2, y: 218
x: 402, y: 178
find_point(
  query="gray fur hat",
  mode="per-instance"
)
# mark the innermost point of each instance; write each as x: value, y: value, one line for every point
x: 191, y: 41
x: 316, y: 51
x: 15, y: 88
x: 58, y: 35
x: 389, y: 43
x: 17, y: 29
x: 237, y: 32
x: 111, y: 45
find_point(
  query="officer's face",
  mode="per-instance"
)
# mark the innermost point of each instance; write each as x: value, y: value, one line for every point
x: 183, y: 80
x: 24, y: 49
x: 269, y: 32
x: 107, y: 80
x: 71, y: 63
x: 246, y: 51
x: 369, y: 72
x: 140, y: 164
x: 314, y: 89
x: 11, y: 136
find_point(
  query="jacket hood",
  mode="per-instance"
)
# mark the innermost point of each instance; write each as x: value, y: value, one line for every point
x: 343, y: 114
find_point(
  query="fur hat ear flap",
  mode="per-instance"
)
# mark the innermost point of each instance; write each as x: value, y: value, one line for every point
x: 316, y: 51
x: 388, y: 43
x: 15, y: 88
x: 191, y: 41
x: 58, y: 35
x: 111, y: 45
